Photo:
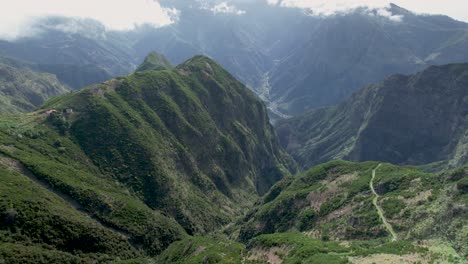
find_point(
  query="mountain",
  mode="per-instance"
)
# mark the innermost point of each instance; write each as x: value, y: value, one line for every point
x: 294, y: 60
x: 344, y: 201
x: 324, y: 71
x: 415, y: 119
x: 121, y: 169
x: 79, y: 52
x: 155, y: 61
x: 23, y: 90
x: 74, y: 76
x: 344, y: 212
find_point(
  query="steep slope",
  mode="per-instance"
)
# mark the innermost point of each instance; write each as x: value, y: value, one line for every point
x: 23, y: 90
x: 76, y: 50
x: 296, y: 61
x: 330, y: 214
x: 74, y: 75
x: 146, y: 157
x: 293, y: 60
x: 57, y: 205
x: 324, y: 71
x: 155, y: 61
x: 416, y: 119
x: 334, y: 201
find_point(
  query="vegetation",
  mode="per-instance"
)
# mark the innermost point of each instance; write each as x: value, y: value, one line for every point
x: 22, y: 90
x: 375, y: 124
x: 127, y: 167
x: 156, y: 62
x: 333, y: 201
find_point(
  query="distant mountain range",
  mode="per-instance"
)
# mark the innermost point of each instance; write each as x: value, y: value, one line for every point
x: 415, y: 119
x: 294, y: 61
x: 23, y: 90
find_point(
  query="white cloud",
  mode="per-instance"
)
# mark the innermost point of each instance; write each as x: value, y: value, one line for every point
x: 226, y: 8
x: 385, y: 13
x: 17, y: 16
x: 453, y: 8
x: 333, y: 7
x: 218, y: 7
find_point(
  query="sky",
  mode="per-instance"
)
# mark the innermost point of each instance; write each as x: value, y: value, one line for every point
x: 17, y: 16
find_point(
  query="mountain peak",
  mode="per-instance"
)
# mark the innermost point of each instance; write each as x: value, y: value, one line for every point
x: 156, y: 62
x: 198, y: 60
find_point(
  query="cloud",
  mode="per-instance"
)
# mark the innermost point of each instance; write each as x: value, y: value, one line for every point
x: 333, y: 7
x: 18, y: 17
x: 385, y: 13
x: 226, y: 8
x: 218, y: 7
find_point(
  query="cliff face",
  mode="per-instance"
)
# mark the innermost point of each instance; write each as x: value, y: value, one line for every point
x: 415, y: 119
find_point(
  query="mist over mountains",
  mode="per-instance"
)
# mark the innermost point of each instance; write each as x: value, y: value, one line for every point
x: 292, y: 59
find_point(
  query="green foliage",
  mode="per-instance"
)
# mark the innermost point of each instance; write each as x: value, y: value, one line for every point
x: 417, y: 204
x: 141, y: 161
x: 374, y: 124
x: 23, y: 90
x: 60, y: 122
x: 203, y: 250
x: 155, y: 62
x: 332, y: 205
x: 392, y: 207
x: 303, y: 249
x: 462, y: 185
x: 307, y: 219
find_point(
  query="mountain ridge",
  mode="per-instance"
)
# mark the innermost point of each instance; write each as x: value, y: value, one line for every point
x: 420, y: 118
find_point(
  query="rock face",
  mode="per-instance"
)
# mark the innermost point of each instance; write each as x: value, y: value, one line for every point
x: 415, y: 119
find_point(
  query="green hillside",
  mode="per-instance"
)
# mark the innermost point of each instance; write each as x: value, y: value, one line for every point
x: 23, y: 90
x: 328, y: 215
x: 334, y: 201
x: 415, y: 120
x: 155, y: 61
x: 122, y: 169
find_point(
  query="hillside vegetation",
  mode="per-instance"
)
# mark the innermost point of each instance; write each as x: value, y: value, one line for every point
x: 23, y: 90
x: 131, y: 165
x: 334, y: 201
x: 416, y: 119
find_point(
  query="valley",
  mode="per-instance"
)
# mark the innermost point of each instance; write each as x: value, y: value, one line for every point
x: 237, y: 132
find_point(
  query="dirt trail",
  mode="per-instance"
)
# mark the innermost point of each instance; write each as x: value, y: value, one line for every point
x: 19, y: 167
x: 379, y: 210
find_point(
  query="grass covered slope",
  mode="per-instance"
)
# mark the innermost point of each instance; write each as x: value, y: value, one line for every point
x: 155, y: 61
x: 187, y: 141
x: 333, y: 201
x: 138, y: 161
x: 23, y: 90
x: 54, y: 198
x: 416, y: 119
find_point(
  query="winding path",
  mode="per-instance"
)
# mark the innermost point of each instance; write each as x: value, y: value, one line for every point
x: 379, y: 210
